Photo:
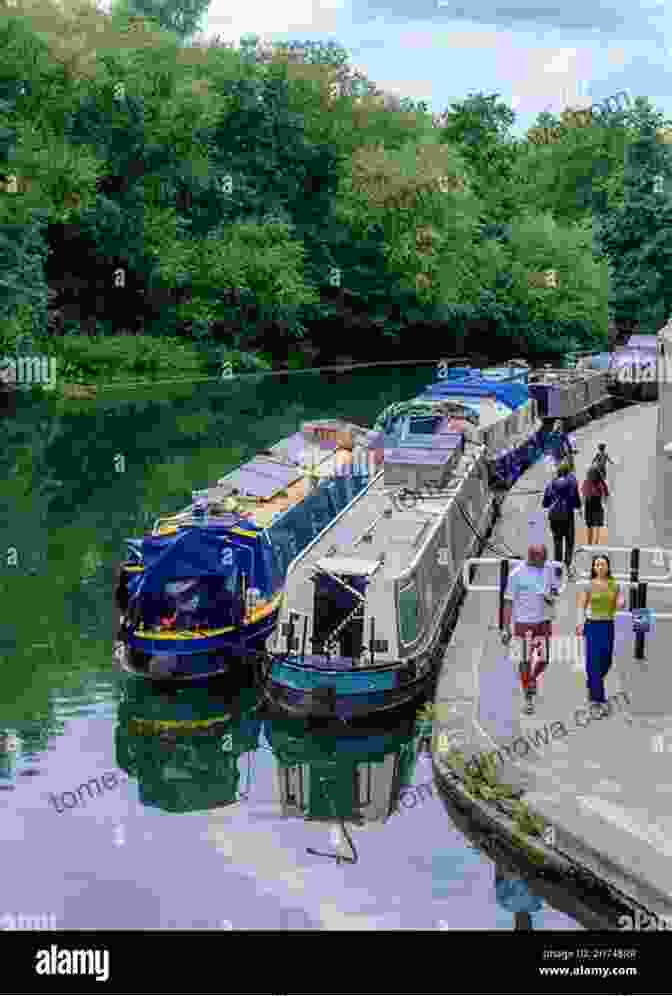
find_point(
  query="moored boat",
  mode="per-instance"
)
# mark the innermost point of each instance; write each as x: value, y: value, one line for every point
x: 572, y: 396
x: 201, y: 593
x: 368, y: 603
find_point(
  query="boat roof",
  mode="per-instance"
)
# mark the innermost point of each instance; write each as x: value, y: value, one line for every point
x: 190, y: 552
x: 395, y: 533
x: 512, y: 395
x: 347, y: 565
x: 488, y: 410
x: 276, y: 479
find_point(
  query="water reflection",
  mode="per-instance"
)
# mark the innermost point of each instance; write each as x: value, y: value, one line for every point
x: 339, y: 778
x: 265, y: 790
x: 514, y: 894
x: 185, y: 748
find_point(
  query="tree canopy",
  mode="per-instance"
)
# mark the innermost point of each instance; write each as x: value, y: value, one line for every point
x: 271, y: 196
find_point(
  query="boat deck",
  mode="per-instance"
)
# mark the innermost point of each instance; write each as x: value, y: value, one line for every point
x: 397, y: 536
x: 263, y: 511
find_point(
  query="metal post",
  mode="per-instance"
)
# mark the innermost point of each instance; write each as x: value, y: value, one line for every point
x: 290, y: 633
x: 304, y: 638
x: 373, y: 634
x: 640, y: 637
x: 503, y: 581
x: 634, y: 576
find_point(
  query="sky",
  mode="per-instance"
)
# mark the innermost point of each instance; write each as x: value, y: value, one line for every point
x: 538, y: 58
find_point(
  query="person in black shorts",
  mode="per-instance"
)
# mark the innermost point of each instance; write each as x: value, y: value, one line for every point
x: 594, y: 490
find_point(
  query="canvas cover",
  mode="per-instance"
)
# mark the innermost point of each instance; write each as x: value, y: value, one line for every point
x: 510, y: 394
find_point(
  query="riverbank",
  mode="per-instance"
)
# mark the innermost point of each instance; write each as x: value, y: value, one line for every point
x: 600, y: 793
x: 83, y: 367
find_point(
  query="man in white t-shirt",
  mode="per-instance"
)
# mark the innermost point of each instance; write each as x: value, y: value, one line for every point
x: 530, y: 598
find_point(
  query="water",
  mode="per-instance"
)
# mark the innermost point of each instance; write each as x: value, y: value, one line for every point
x: 107, y: 819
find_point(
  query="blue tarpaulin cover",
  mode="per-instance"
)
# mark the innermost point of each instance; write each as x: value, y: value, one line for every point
x: 511, y: 395
x: 193, y: 552
x: 643, y: 342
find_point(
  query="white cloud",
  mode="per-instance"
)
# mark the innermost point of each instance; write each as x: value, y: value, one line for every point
x: 267, y: 20
x: 562, y: 62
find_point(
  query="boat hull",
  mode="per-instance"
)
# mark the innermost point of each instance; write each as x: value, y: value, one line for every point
x: 194, y: 670
x: 196, y: 661
x: 319, y: 692
x: 318, y: 703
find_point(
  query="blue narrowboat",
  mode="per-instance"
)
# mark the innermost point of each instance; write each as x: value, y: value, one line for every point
x: 200, y: 595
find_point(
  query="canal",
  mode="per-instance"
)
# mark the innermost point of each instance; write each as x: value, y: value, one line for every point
x: 122, y: 808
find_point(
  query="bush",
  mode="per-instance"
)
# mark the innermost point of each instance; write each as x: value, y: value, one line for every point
x: 213, y: 357
x: 83, y: 359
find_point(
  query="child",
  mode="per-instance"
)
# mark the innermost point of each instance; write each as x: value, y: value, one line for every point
x: 601, y: 460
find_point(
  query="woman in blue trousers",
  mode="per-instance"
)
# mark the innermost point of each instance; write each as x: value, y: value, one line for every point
x: 598, y: 604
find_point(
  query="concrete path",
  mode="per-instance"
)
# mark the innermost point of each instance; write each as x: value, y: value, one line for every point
x: 604, y: 784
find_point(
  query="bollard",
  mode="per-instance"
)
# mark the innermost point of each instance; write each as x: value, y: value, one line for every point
x: 503, y: 581
x: 640, y: 637
x: 634, y: 576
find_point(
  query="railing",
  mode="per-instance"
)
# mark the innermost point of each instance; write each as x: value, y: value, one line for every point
x: 634, y: 576
x: 638, y: 586
x: 330, y: 640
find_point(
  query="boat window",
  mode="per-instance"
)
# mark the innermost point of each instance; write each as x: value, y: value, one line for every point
x: 425, y: 426
x: 409, y: 613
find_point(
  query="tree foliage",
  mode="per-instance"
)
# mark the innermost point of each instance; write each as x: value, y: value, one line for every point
x: 257, y: 196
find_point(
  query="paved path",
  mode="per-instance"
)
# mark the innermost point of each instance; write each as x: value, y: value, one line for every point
x: 602, y: 783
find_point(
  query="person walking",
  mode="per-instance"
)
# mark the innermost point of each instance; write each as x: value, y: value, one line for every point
x: 598, y: 603
x: 601, y: 459
x: 561, y: 498
x: 560, y: 446
x: 528, y: 600
x: 594, y: 489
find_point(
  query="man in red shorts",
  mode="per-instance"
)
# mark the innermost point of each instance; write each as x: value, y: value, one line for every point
x: 529, y: 598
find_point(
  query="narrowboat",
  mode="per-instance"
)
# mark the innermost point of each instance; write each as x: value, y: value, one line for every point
x: 572, y: 396
x: 200, y: 595
x: 366, y: 602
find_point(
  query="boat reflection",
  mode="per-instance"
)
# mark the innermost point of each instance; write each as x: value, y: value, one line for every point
x: 184, y: 748
x: 344, y: 777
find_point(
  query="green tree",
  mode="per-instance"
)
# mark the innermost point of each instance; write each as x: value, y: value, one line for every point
x: 479, y: 126
x: 182, y: 17
x: 637, y: 235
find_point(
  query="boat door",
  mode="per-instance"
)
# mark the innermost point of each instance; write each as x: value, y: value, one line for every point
x: 338, y: 614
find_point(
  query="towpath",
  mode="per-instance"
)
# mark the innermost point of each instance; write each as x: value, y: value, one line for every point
x: 605, y: 785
